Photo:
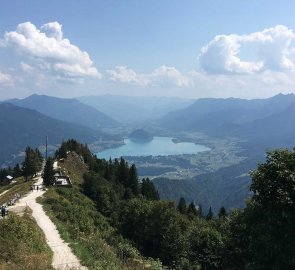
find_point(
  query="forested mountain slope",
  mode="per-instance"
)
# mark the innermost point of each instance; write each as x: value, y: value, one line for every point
x: 127, y: 215
x: 228, y: 187
x: 21, y: 127
x: 228, y: 116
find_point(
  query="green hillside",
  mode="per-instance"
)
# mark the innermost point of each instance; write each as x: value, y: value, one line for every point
x: 21, y: 127
x: 112, y: 222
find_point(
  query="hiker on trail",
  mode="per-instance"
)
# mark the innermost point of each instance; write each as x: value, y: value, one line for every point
x: 37, y: 188
x: 31, y: 188
x: 3, y: 211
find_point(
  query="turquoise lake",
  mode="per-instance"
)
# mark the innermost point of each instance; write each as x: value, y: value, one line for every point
x: 159, y: 146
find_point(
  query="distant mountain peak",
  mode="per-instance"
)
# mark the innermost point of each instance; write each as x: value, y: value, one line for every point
x: 66, y: 109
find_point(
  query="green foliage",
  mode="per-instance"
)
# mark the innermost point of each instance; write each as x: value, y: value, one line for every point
x: 222, y: 212
x: 48, y: 175
x: 32, y: 163
x: 104, y: 193
x: 206, y: 247
x: 92, y: 238
x: 156, y: 228
x: 259, y: 237
x: 23, y: 245
x: 210, y: 214
x: 148, y: 190
x: 73, y: 145
x: 181, y: 207
x: 133, y: 180
x: 271, y: 212
x: 15, y: 172
x: 191, y: 210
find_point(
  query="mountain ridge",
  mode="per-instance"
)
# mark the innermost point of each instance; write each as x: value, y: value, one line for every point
x: 69, y: 110
x: 213, y: 116
x: 22, y: 126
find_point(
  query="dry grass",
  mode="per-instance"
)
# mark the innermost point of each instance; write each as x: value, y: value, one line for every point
x: 74, y: 168
x: 23, y: 245
x: 21, y: 187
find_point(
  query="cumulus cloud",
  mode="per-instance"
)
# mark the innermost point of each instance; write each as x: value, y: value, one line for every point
x: 47, y: 50
x: 169, y: 76
x: 127, y: 75
x: 162, y: 76
x: 270, y: 49
x: 5, y: 79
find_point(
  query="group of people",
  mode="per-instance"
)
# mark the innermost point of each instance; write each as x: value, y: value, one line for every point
x: 12, y: 201
x: 36, y: 187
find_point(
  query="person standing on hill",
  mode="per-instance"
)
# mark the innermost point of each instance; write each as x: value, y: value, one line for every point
x: 3, y: 211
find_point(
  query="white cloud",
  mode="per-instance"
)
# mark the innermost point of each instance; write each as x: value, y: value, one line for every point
x: 46, y: 50
x: 270, y: 49
x: 127, y: 75
x: 162, y: 76
x: 169, y: 76
x: 5, y: 79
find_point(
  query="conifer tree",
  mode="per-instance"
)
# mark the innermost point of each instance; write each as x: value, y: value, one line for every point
x: 200, y: 211
x: 17, y: 171
x: 123, y: 172
x: 210, y: 214
x: 192, y: 209
x: 62, y: 152
x: 222, y: 212
x: 133, y: 180
x: 29, y: 167
x: 148, y: 190
x: 48, y: 177
x: 181, y: 206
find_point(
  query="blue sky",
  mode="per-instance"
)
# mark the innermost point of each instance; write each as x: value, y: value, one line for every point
x: 160, y: 48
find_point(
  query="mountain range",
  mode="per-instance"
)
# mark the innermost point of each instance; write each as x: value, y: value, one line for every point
x: 134, y: 109
x: 270, y: 118
x: 69, y: 110
x: 21, y: 127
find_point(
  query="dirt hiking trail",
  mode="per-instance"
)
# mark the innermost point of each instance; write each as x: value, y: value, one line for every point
x: 63, y: 257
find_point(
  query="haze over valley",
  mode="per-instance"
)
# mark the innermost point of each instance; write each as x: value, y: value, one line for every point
x: 147, y: 135
x: 232, y: 134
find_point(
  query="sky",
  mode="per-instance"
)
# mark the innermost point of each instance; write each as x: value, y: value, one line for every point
x: 182, y: 48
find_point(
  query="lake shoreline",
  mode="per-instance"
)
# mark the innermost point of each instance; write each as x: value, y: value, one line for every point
x: 159, y: 146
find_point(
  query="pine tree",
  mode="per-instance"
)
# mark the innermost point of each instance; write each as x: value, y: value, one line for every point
x: 192, y: 209
x: 148, y: 190
x: 210, y: 214
x: 123, y: 172
x: 17, y: 172
x: 38, y: 160
x: 200, y: 211
x: 181, y: 206
x: 48, y: 177
x: 222, y: 212
x: 29, y: 168
x: 62, y: 152
x: 133, y: 180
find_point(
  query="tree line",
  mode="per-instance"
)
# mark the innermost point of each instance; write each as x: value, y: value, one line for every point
x: 32, y: 164
x: 261, y: 236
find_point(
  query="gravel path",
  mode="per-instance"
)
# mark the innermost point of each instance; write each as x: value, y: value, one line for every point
x: 63, y: 257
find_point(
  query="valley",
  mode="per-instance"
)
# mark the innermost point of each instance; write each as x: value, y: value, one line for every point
x: 206, y: 148
x: 147, y: 135
x: 217, y: 153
